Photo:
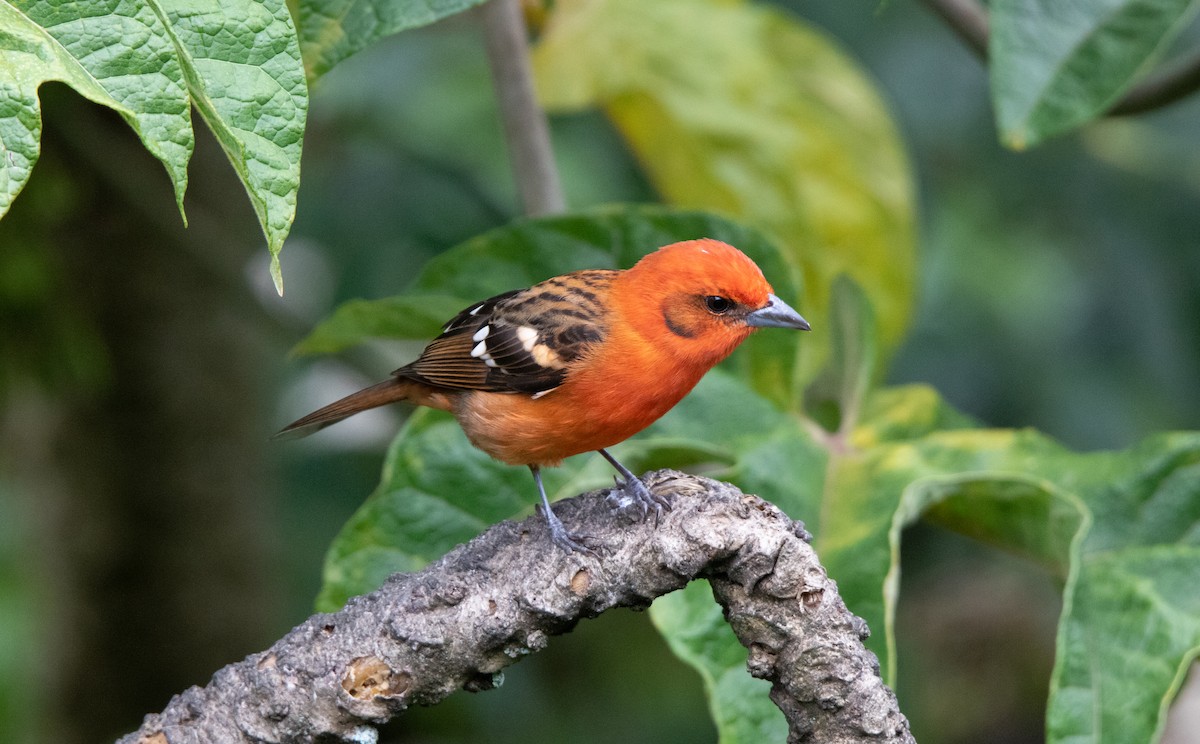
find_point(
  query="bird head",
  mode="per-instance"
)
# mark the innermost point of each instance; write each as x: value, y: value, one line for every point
x: 699, y: 299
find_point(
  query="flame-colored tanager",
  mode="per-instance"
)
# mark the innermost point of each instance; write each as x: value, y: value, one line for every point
x: 582, y: 361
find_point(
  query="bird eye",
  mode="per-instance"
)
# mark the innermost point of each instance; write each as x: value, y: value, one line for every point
x: 718, y: 305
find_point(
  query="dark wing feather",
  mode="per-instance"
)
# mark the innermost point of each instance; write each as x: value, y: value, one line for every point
x: 471, y: 316
x: 532, y: 336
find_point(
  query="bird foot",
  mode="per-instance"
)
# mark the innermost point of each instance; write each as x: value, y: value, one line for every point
x: 635, y: 494
x: 567, y: 541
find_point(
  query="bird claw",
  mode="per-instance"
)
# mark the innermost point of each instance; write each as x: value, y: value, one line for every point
x: 635, y: 494
x: 567, y: 541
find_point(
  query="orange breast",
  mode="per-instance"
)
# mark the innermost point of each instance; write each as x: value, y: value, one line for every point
x: 614, y: 395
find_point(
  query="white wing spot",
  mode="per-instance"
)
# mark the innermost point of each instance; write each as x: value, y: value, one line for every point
x: 482, y: 333
x: 539, y: 394
x: 480, y: 350
x: 528, y: 337
x: 489, y: 361
x: 476, y: 309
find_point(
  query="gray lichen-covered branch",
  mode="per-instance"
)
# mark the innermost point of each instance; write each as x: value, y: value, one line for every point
x: 458, y: 622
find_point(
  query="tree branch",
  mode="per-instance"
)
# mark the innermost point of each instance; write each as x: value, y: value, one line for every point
x: 1166, y: 86
x: 486, y: 604
x: 525, y: 128
x: 969, y: 20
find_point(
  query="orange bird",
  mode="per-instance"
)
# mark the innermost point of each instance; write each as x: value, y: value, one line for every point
x: 582, y: 361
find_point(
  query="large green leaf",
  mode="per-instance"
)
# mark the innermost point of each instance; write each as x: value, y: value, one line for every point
x: 332, y: 30
x: 1131, y: 620
x: 116, y: 54
x: 1055, y: 65
x: 1125, y: 647
x: 403, y: 317
x: 238, y: 61
x: 696, y: 631
x: 747, y: 111
x: 241, y: 61
x: 1119, y: 527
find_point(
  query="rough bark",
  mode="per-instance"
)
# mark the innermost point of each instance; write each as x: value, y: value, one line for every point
x: 457, y: 623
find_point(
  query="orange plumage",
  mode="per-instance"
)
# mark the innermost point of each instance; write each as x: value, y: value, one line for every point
x: 582, y: 361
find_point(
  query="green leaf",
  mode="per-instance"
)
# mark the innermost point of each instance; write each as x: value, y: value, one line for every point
x: 872, y: 493
x: 844, y: 383
x: 904, y: 412
x: 436, y: 491
x: 241, y: 60
x: 332, y: 30
x: 1055, y: 65
x: 237, y: 61
x: 402, y: 317
x: 696, y: 631
x: 747, y: 111
x: 119, y: 55
x: 1127, y: 638
x: 1131, y: 618
x: 1119, y: 527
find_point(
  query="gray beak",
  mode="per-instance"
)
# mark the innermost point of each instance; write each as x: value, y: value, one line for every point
x: 776, y: 314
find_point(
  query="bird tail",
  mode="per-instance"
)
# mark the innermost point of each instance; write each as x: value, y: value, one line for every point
x: 389, y: 391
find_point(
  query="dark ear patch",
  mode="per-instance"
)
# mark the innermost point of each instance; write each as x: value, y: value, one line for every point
x: 679, y: 321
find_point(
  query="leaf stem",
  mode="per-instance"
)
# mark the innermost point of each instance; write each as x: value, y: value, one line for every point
x: 525, y: 127
x: 968, y: 19
x: 1167, y: 86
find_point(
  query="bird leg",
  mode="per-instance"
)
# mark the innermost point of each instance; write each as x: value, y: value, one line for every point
x: 563, y: 538
x: 636, y: 490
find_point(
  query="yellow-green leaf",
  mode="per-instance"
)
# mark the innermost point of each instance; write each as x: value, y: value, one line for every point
x: 750, y: 112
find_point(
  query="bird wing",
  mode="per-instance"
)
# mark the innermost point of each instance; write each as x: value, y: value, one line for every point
x: 518, y: 342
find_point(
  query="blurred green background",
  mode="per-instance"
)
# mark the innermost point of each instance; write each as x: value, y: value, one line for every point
x: 149, y: 532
